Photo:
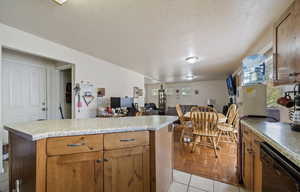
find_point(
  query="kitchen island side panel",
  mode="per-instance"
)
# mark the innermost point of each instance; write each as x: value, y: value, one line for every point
x: 161, y: 143
x: 22, y: 162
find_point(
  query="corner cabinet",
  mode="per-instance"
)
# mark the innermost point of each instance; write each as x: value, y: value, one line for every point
x: 286, y: 46
x: 251, y: 163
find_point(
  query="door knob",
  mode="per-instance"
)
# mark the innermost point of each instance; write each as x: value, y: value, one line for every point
x: 44, y: 109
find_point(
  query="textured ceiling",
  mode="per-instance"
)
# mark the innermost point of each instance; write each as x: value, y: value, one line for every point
x: 152, y: 37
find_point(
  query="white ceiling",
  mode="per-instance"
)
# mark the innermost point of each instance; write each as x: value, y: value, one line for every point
x: 152, y: 37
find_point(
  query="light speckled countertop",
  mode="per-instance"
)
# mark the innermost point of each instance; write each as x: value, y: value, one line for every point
x: 279, y: 136
x: 56, y: 128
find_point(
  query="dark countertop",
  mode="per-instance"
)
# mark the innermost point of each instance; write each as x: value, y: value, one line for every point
x: 278, y: 135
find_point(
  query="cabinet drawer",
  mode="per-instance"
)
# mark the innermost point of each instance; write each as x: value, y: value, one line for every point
x: 74, y: 144
x: 125, y: 140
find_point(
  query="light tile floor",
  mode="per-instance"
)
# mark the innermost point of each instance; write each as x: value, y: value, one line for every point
x: 185, y: 182
x: 4, y: 179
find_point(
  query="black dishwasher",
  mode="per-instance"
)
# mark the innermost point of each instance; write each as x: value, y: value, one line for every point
x: 278, y: 173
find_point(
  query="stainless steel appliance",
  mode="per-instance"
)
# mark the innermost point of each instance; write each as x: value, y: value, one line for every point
x: 278, y: 173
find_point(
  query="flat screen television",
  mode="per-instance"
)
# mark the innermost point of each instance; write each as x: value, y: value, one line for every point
x: 231, y: 85
x: 115, y: 102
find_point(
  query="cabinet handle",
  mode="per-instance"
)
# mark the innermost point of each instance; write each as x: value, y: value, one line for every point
x: 75, y: 144
x: 294, y: 74
x: 101, y: 160
x: 250, y: 151
x: 127, y: 140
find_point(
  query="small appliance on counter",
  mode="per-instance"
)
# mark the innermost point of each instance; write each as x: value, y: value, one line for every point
x: 251, y: 100
x: 295, y: 125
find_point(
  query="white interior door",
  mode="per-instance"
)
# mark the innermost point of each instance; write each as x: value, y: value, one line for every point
x: 24, y: 92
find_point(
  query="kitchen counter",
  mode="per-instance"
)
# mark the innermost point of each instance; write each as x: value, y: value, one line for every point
x: 279, y: 136
x: 69, y: 127
x: 92, y: 154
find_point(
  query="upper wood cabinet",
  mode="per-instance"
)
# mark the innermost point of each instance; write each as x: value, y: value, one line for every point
x: 287, y: 46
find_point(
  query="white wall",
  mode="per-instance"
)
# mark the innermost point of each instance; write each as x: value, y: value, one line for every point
x: 118, y: 81
x: 216, y: 90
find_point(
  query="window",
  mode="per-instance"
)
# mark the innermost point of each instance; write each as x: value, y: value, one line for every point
x: 170, y: 91
x: 187, y: 91
x: 154, y: 92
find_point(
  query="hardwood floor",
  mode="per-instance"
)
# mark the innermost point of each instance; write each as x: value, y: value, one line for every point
x: 203, y: 162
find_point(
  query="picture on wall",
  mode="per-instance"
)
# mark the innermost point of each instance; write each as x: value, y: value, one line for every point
x: 100, y: 92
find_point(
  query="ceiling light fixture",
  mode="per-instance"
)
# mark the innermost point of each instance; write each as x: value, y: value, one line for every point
x: 60, y: 2
x: 192, y: 60
x: 190, y: 77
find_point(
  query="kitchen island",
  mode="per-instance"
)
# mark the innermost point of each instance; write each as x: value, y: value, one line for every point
x: 129, y: 154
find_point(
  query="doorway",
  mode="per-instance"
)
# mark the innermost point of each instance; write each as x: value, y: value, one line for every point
x: 24, y: 91
x: 65, y: 106
x: 32, y: 88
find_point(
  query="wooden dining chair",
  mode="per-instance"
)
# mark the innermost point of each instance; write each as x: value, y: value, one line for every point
x: 230, y: 130
x: 185, y: 122
x: 205, y: 126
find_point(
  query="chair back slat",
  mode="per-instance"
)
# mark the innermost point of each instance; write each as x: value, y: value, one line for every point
x: 205, y: 122
x: 236, y: 121
x: 179, y: 113
x: 231, y: 113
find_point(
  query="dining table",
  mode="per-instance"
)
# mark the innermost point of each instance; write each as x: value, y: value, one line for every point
x: 222, y: 118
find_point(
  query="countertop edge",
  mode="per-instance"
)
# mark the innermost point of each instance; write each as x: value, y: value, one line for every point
x: 86, y: 132
x: 292, y: 156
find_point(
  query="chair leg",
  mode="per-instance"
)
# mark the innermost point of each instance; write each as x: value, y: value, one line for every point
x: 235, y: 137
x: 182, y: 135
x: 215, y: 146
x: 219, y: 136
x: 232, y: 137
x: 194, y: 144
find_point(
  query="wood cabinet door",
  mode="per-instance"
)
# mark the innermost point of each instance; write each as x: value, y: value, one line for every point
x: 257, y: 165
x: 127, y: 170
x: 82, y: 172
x: 297, y: 37
x: 247, y: 165
x: 285, y: 48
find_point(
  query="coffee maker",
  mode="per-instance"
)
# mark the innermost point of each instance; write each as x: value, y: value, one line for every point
x: 295, y: 125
